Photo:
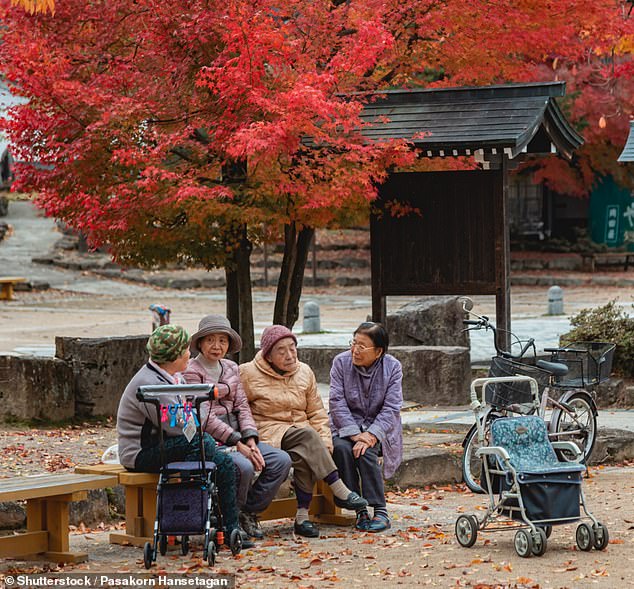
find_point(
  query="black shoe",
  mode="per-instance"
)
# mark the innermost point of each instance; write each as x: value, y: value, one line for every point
x: 307, y: 529
x: 354, y: 502
x: 250, y: 524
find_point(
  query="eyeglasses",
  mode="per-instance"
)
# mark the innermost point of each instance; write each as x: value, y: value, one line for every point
x: 360, y: 347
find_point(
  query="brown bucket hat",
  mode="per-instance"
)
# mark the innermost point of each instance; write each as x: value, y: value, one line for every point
x: 216, y: 324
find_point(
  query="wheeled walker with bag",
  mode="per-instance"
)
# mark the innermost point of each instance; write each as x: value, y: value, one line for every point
x: 186, y: 494
x: 525, y: 481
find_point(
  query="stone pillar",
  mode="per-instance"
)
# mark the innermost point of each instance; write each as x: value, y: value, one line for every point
x: 312, y: 323
x: 555, y: 301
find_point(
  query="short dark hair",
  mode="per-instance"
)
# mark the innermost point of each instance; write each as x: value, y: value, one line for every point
x: 376, y: 332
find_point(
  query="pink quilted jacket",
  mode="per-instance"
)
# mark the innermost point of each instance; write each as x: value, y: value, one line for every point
x: 230, y: 403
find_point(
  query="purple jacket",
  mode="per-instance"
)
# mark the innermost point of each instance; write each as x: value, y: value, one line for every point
x: 229, y: 403
x: 378, y: 412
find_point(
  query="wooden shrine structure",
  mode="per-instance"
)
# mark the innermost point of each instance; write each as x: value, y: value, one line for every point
x: 458, y: 243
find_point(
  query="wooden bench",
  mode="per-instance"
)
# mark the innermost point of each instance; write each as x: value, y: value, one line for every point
x: 47, y: 498
x: 140, y: 504
x: 590, y: 261
x: 6, y: 284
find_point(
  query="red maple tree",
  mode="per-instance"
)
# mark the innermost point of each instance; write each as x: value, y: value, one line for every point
x: 188, y: 130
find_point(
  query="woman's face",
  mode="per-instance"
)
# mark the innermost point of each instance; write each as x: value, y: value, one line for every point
x: 180, y: 364
x: 364, y: 352
x: 214, y: 346
x: 283, y: 355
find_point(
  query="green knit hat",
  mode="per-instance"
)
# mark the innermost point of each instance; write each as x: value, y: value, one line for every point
x: 167, y: 343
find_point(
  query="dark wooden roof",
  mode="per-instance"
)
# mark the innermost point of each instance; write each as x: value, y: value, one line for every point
x: 627, y: 155
x: 500, y: 119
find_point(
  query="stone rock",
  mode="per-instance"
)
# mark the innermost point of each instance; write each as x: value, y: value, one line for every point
x: 91, y: 511
x: 102, y: 367
x: 432, y: 375
x: 427, y: 466
x: 211, y: 282
x: 12, y: 516
x: 184, y: 283
x: 4, y: 229
x: 4, y: 206
x: 430, y: 321
x: 318, y: 281
x: 350, y: 281
x: 523, y: 280
x: 614, y: 393
x: 116, y: 500
x: 612, y: 445
x: 160, y: 281
x: 569, y: 263
x: 36, y: 389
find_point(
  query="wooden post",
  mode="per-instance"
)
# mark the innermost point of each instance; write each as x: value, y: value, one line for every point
x: 503, y: 259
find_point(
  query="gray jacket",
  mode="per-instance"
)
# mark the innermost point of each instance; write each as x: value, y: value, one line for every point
x: 137, y: 425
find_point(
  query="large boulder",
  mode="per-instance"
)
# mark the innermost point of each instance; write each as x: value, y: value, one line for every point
x: 103, y: 367
x: 432, y: 375
x: 428, y: 321
x: 34, y: 388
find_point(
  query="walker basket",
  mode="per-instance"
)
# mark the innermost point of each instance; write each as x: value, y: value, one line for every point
x: 503, y: 394
x: 589, y: 363
x: 183, y: 508
x: 552, y: 496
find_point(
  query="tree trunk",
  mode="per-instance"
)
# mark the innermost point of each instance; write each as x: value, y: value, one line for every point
x: 289, y: 288
x: 239, y: 300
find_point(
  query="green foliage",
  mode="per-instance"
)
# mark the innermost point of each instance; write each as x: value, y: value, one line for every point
x: 606, y: 324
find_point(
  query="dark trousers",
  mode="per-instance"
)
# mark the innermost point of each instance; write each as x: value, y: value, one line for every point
x: 362, y: 475
x: 178, y: 449
x: 256, y: 497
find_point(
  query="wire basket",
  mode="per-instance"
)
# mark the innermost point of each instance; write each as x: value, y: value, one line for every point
x: 589, y: 363
x: 503, y: 394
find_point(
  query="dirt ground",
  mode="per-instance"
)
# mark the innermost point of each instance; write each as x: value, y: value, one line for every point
x: 419, y: 550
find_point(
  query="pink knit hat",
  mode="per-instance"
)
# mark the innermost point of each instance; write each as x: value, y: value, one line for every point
x: 273, y: 334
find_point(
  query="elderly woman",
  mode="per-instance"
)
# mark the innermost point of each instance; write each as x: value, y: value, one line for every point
x: 230, y: 422
x: 284, y: 401
x: 137, y: 426
x: 365, y: 403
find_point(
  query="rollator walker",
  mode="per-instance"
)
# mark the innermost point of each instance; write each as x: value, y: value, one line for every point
x: 524, y: 479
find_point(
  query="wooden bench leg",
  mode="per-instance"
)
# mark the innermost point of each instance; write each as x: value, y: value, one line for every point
x: 140, y: 513
x: 324, y: 510
x: 47, y: 532
x: 6, y: 294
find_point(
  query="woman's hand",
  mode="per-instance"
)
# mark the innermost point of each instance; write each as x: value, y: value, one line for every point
x: 367, y: 438
x: 251, y: 451
x: 359, y: 449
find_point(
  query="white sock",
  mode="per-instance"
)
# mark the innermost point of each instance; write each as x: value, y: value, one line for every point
x: 339, y: 490
x: 302, y: 515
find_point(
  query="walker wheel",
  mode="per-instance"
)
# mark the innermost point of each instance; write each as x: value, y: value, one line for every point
x: 548, y: 530
x: 523, y: 543
x: 211, y: 554
x: 235, y: 542
x: 147, y: 555
x: 601, y: 536
x: 584, y: 537
x: 163, y: 545
x: 540, y: 542
x: 466, y: 530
